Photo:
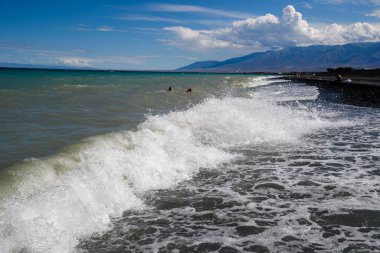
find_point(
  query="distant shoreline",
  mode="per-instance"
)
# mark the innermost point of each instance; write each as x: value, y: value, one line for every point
x: 357, y: 87
x: 358, y: 76
x: 137, y: 71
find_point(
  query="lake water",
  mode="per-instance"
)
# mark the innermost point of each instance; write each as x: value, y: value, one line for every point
x: 94, y: 161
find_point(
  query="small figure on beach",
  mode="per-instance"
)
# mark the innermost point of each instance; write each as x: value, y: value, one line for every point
x: 338, y: 78
x: 170, y: 89
x: 189, y: 90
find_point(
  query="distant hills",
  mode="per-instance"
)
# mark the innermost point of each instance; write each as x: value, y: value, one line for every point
x: 311, y: 58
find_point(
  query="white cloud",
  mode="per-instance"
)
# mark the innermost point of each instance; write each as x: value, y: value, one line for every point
x: 200, y: 39
x: 375, y: 14
x: 307, y: 6
x: 199, y: 9
x: 75, y: 61
x: 367, y: 2
x: 78, y: 57
x: 105, y: 29
x: 271, y: 31
x: 103, y: 60
x: 148, y: 18
x: 333, y: 1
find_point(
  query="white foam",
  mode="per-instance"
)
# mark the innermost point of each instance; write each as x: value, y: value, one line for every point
x: 57, y: 200
x: 257, y: 81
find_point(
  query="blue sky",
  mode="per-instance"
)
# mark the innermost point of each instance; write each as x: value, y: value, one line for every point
x: 168, y: 34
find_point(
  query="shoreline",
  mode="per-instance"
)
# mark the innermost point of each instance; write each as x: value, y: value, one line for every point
x: 363, y: 90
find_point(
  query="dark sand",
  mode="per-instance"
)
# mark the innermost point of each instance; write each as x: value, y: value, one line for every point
x: 355, y: 88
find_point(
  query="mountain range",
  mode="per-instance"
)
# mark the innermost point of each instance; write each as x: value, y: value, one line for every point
x: 311, y: 58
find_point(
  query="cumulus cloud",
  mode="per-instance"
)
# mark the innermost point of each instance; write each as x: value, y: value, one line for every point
x: 270, y: 31
x: 199, y: 39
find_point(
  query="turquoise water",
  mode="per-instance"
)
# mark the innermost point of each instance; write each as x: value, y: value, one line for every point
x: 95, y: 161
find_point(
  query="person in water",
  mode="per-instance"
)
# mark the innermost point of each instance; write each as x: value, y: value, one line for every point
x: 338, y: 78
x: 170, y: 89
